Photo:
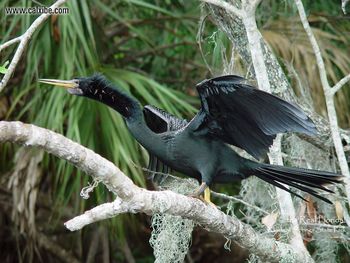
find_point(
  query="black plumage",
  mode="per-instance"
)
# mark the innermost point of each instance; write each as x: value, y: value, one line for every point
x: 248, y: 118
x: 232, y: 112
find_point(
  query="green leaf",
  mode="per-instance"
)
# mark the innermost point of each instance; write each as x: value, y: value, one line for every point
x: 3, y: 68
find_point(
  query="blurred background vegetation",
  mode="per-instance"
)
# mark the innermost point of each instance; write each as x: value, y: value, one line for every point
x: 149, y: 48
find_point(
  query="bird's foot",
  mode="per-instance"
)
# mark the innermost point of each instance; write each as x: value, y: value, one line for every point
x: 203, y: 199
x: 207, y: 197
x: 198, y: 194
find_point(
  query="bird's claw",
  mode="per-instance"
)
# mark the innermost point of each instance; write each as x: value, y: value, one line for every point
x: 201, y: 198
x: 195, y: 195
x: 210, y: 203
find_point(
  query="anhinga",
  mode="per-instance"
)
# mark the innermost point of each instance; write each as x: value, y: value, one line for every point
x: 232, y: 113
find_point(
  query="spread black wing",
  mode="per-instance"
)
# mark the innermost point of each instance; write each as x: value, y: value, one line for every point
x: 241, y: 115
x: 160, y: 121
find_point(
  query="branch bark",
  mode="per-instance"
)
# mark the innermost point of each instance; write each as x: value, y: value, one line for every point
x: 226, y: 6
x: 10, y: 42
x: 340, y: 84
x: 98, y: 213
x: 23, y: 41
x: 137, y: 200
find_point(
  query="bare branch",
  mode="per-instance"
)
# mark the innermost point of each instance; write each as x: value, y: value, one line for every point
x: 255, y: 3
x: 343, y: 5
x: 98, y: 213
x: 329, y: 96
x: 340, y: 84
x: 250, y: 5
x: 10, y: 42
x: 149, y: 202
x: 285, y: 199
x: 81, y: 157
x: 235, y: 199
x: 314, y: 44
x: 255, y: 41
x: 215, y: 194
x: 228, y: 7
x: 24, y: 40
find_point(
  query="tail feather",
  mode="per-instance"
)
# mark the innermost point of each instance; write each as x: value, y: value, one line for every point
x: 289, y: 177
x: 303, y: 179
x: 322, y: 176
x: 277, y: 184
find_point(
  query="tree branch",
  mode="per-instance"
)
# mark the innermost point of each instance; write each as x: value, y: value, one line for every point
x: 118, y: 206
x: 10, y: 42
x: 329, y: 96
x: 213, y: 193
x: 314, y: 44
x: 98, y: 213
x: 254, y: 41
x: 23, y: 41
x: 145, y: 201
x: 340, y: 84
x: 255, y: 3
x: 228, y: 7
x: 343, y: 5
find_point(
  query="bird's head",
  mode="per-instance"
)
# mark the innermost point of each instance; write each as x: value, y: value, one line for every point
x: 98, y: 88
x: 82, y: 86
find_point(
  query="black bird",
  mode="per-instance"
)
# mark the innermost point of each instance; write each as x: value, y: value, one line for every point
x: 232, y: 113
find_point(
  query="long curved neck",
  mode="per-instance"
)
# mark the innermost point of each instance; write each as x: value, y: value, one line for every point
x: 103, y: 91
x: 142, y: 133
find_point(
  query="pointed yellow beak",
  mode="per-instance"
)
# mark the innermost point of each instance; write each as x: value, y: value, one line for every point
x: 62, y: 83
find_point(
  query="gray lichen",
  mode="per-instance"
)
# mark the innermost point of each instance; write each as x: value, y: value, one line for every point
x: 171, y: 235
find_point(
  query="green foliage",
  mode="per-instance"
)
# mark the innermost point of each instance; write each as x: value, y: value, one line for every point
x: 3, y: 68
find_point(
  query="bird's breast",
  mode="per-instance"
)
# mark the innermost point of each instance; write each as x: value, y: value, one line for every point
x: 177, y: 157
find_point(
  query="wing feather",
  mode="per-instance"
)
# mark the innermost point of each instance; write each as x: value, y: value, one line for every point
x: 160, y: 121
x: 241, y: 115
